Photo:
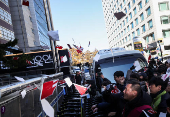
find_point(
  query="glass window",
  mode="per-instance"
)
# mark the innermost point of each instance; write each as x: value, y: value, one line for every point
x: 124, y: 23
x: 164, y: 20
x: 124, y: 1
x: 147, y: 39
x: 146, y: 1
x: 138, y: 32
x: 129, y: 37
x: 136, y: 20
x: 166, y: 33
x: 153, y: 36
x: 132, y: 26
x: 127, y: 19
x: 130, y: 15
x: 133, y: 1
x: 126, y: 39
x: 128, y: 28
x: 148, y: 10
x: 125, y: 30
x: 121, y: 6
x: 121, y: 26
x: 129, y: 5
x: 122, y: 33
x: 143, y: 28
x: 123, y: 40
x: 150, y: 24
x: 140, y: 5
x: 135, y: 11
x: 125, y: 10
x: 163, y: 6
x: 142, y: 17
x: 133, y: 33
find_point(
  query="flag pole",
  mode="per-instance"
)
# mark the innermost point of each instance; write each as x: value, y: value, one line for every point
x: 57, y: 57
x: 53, y: 52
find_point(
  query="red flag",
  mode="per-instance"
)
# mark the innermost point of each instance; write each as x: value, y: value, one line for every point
x: 48, y: 88
x: 62, y: 81
x: 81, y: 89
x: 25, y: 2
x: 79, y: 50
x: 59, y: 47
x: 149, y: 58
x: 69, y: 46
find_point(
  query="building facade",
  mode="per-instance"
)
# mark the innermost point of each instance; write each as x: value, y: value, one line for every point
x: 31, y: 24
x: 148, y: 19
x: 6, y: 27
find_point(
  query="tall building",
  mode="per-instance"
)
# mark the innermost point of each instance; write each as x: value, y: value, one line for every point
x: 31, y: 24
x: 6, y: 28
x: 149, y: 19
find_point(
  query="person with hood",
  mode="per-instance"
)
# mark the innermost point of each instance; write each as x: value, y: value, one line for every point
x: 159, y: 95
x: 138, y: 101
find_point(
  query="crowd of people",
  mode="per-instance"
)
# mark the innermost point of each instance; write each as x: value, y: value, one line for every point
x: 143, y: 93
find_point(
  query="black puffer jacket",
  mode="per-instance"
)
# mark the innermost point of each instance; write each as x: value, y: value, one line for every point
x: 142, y: 99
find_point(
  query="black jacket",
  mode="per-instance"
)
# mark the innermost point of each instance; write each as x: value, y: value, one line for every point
x: 142, y: 99
x: 78, y: 79
x: 162, y: 107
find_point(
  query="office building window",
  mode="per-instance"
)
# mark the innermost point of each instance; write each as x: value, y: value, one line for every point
x: 133, y: 1
x: 164, y: 20
x: 135, y: 11
x: 125, y: 10
x: 117, y: 2
x: 121, y: 26
x: 136, y: 20
x: 142, y: 17
x: 129, y: 6
x: 132, y: 26
x: 150, y: 24
x: 146, y: 1
x: 123, y: 40
x: 126, y: 39
x: 124, y: 23
x: 122, y: 33
x: 126, y: 19
x: 121, y: 6
x: 129, y: 37
x: 128, y: 28
x: 140, y: 5
x: 166, y: 33
x: 138, y: 32
x: 153, y: 36
x: 163, y: 6
x: 124, y: 1
x: 148, y: 10
x: 147, y: 39
x: 143, y: 28
x: 133, y: 33
x: 125, y: 30
x: 130, y: 15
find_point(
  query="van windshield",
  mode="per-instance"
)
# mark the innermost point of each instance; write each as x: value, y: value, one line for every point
x: 109, y: 68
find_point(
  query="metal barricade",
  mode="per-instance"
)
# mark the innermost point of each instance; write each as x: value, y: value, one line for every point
x: 13, y: 105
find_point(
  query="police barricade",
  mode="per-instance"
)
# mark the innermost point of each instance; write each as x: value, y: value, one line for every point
x: 13, y: 105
